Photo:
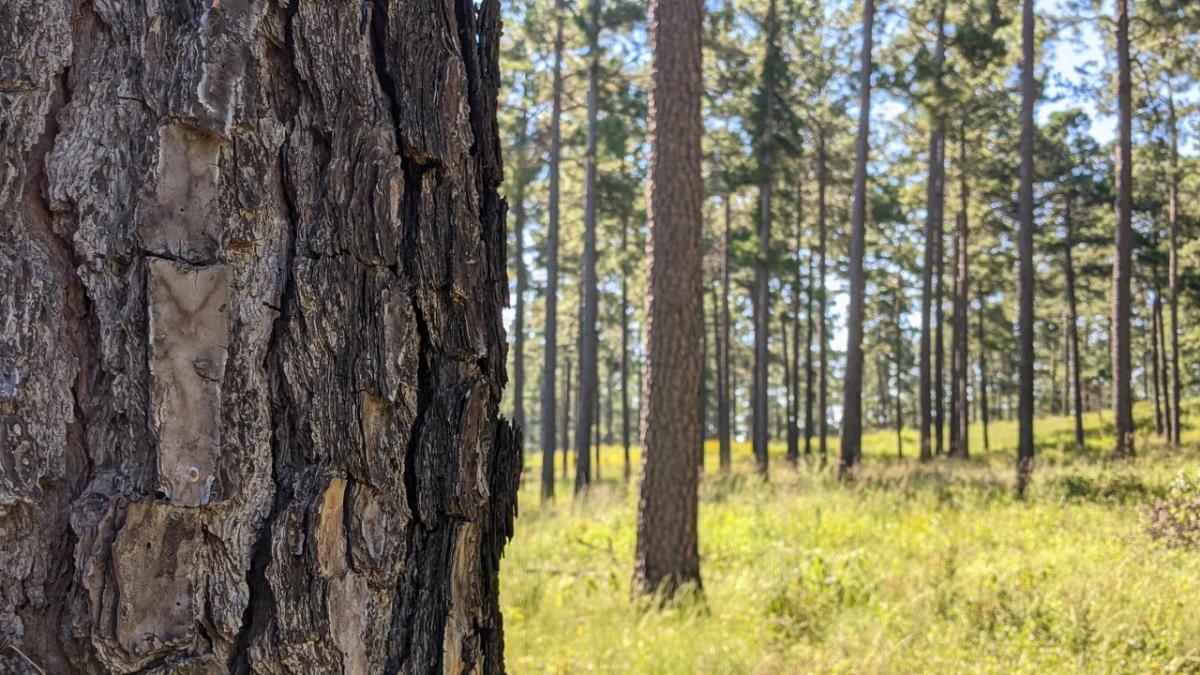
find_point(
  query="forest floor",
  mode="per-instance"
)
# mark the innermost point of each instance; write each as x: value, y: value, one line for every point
x: 914, y: 569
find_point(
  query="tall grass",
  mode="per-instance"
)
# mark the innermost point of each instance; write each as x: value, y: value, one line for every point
x: 913, y: 568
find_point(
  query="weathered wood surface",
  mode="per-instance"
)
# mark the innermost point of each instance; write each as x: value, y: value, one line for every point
x: 251, y: 350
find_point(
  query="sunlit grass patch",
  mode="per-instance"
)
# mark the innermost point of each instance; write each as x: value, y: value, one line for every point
x: 912, y: 568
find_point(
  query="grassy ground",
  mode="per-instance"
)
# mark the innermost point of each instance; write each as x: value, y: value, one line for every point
x: 915, y: 568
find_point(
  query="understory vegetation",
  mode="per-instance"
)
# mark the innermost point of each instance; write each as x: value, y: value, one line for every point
x: 914, y: 568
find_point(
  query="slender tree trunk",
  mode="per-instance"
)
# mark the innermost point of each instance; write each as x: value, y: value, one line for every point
x: 1160, y: 350
x: 983, y: 377
x: 1123, y: 242
x: 851, y: 451
x: 939, y: 353
x: 822, y: 299
x: 1064, y: 403
x: 589, y: 289
x: 1156, y: 393
x: 518, y: 208
x: 762, y: 295
x: 793, y: 433
x: 1173, y: 263
x: 962, y: 285
x: 808, y: 361
x: 550, y: 332
x: 566, y: 420
x: 897, y: 346
x: 785, y: 337
x: 702, y: 408
x: 723, y: 373
x: 625, y: 439
x: 254, y: 435
x: 608, y: 404
x: 667, y: 555
x: 1025, y: 250
x: 596, y: 435
x: 1072, y: 319
x: 934, y: 200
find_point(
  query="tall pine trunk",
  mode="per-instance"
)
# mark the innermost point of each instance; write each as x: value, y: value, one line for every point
x: 793, y: 431
x: 851, y: 450
x: 518, y: 208
x: 1173, y: 261
x: 962, y: 285
x: 724, y: 376
x: 984, y: 413
x: 1072, y: 318
x: 625, y: 436
x: 934, y: 200
x: 259, y: 368
x: 550, y: 331
x: 822, y: 302
x: 1123, y: 244
x: 1025, y: 253
x: 808, y: 358
x: 1160, y: 349
x: 566, y: 420
x: 667, y: 554
x: 762, y: 295
x: 585, y: 400
x: 1156, y: 392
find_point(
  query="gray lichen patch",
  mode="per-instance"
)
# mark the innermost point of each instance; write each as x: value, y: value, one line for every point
x: 181, y: 215
x: 189, y: 334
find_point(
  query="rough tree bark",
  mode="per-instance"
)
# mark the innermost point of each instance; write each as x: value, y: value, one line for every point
x: 1025, y: 253
x: 253, y: 267
x: 550, y: 330
x: 934, y: 199
x: 1122, y: 271
x: 667, y: 555
x: 851, y: 450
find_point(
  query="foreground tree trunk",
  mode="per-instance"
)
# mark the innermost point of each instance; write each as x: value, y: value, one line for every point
x: 256, y: 375
x: 1025, y: 253
x: 851, y: 450
x: 667, y: 553
x: 1123, y: 242
x: 550, y: 331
